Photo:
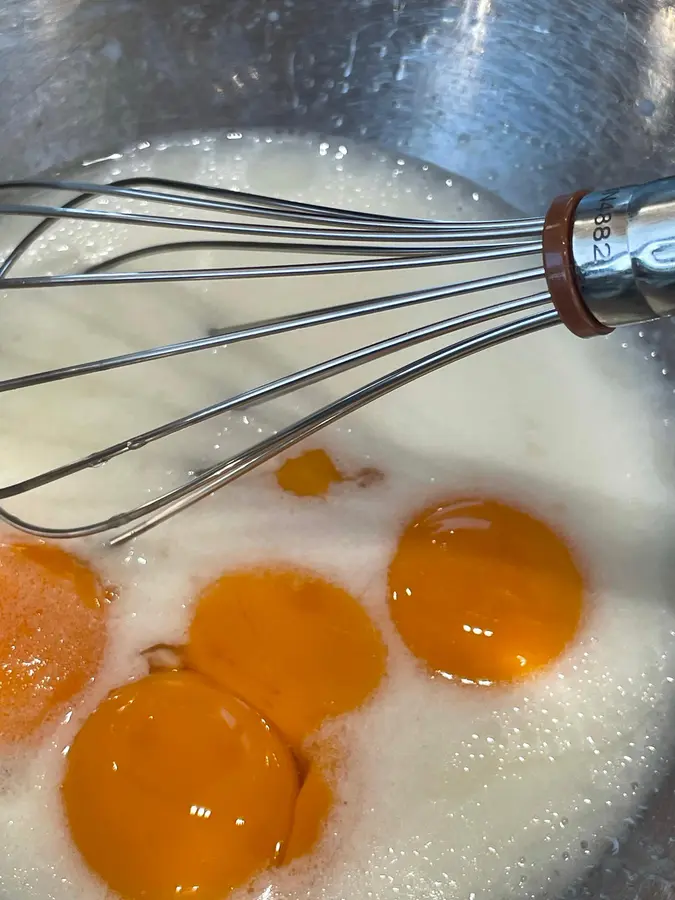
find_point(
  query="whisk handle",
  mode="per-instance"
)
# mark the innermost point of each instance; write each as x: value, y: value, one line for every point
x: 617, y: 265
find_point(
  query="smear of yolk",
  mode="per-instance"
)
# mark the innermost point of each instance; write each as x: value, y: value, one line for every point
x: 174, y: 787
x: 52, y: 633
x: 312, y: 809
x: 296, y: 647
x: 483, y: 592
x: 310, y: 474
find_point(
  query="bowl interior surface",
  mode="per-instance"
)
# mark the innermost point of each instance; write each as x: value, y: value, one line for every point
x: 525, y: 98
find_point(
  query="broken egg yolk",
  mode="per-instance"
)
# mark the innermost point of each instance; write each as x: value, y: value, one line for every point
x: 313, y: 472
x: 174, y: 787
x: 482, y: 592
x: 52, y: 633
x: 310, y: 474
x: 296, y: 647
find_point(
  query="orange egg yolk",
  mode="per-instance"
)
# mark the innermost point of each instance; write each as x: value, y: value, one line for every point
x: 296, y: 647
x: 483, y: 592
x: 310, y: 474
x: 312, y: 809
x: 174, y: 787
x: 52, y: 633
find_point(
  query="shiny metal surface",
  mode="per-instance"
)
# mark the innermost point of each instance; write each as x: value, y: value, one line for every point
x: 529, y: 98
x: 623, y: 244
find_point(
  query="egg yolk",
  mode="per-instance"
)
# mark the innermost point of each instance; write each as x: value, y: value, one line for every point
x: 174, y: 787
x: 310, y: 474
x: 312, y: 808
x: 482, y: 592
x: 52, y: 633
x: 296, y: 647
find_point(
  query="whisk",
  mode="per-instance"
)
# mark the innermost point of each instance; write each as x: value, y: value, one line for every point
x: 607, y: 258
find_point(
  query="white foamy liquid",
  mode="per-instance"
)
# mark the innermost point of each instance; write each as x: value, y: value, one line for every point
x: 447, y: 793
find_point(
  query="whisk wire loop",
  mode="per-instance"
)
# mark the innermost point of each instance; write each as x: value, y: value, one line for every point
x: 346, y: 241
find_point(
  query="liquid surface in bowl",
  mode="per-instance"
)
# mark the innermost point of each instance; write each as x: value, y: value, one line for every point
x: 440, y: 789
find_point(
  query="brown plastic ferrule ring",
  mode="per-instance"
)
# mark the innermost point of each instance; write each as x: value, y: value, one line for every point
x: 559, y: 268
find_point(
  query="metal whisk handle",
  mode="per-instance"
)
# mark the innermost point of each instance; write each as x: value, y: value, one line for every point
x: 613, y: 252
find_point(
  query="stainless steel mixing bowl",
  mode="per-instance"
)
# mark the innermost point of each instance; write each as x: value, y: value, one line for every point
x: 526, y: 97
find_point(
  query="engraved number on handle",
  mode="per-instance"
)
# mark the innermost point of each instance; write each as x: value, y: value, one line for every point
x: 603, y: 226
